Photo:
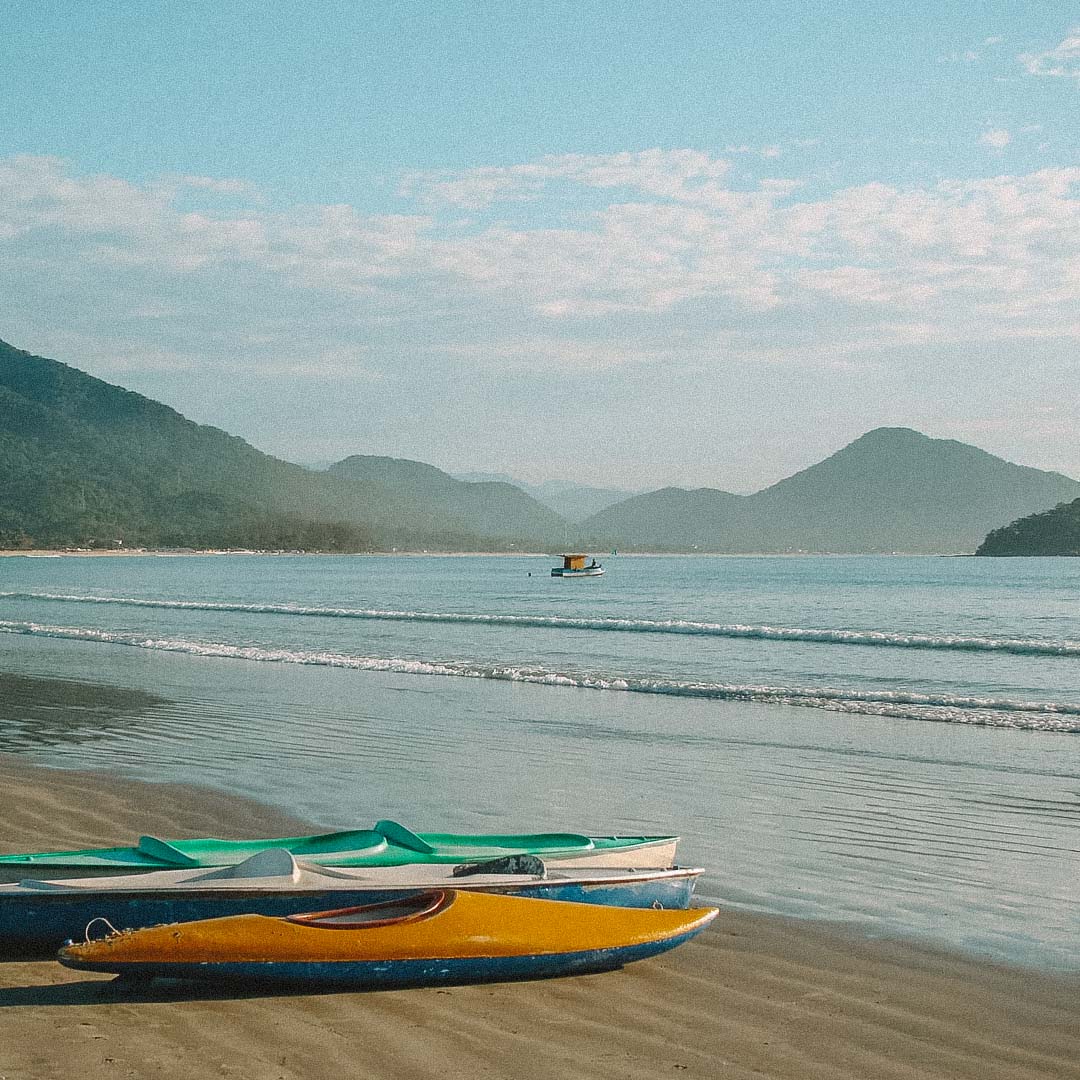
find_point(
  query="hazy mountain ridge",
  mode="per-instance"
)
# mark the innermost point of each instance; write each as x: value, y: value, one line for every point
x: 575, y: 502
x: 86, y: 462
x: 671, y: 519
x: 892, y: 489
x: 485, y: 508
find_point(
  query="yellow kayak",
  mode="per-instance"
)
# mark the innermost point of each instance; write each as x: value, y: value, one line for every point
x: 431, y: 938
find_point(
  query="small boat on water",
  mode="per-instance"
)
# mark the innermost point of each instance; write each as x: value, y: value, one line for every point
x: 386, y: 844
x: 576, y: 566
x: 37, y: 917
x: 434, y: 938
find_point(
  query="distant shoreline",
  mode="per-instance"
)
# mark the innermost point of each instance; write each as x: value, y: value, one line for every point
x: 168, y: 553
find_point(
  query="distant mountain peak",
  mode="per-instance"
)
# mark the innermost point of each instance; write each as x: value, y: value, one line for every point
x: 392, y: 468
x: 893, y: 440
x: 892, y: 489
x: 892, y: 435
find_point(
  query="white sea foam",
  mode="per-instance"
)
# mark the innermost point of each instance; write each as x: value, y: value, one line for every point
x: 871, y: 638
x: 945, y: 708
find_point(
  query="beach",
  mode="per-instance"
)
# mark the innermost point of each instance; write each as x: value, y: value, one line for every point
x: 754, y: 996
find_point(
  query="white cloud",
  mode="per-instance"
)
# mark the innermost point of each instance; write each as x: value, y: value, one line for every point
x: 998, y: 138
x: 963, y: 56
x: 219, y: 185
x: 557, y: 354
x: 677, y: 174
x: 971, y: 55
x: 1062, y: 60
x: 772, y: 150
x: 652, y: 236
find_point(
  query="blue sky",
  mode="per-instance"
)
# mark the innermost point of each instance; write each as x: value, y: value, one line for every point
x: 637, y: 244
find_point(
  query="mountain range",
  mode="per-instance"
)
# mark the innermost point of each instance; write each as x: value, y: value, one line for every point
x: 892, y: 489
x: 575, y: 502
x: 87, y: 463
x: 426, y: 501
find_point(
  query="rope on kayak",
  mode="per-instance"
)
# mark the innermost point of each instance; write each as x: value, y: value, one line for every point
x: 102, y: 919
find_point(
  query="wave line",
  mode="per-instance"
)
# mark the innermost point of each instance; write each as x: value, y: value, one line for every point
x: 872, y: 638
x: 945, y: 708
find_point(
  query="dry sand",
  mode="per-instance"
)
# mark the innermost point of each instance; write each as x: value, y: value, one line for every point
x: 754, y: 997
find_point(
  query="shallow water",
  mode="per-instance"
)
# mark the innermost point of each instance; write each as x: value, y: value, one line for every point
x: 890, y: 742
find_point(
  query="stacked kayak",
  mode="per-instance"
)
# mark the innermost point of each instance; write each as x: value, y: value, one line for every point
x: 38, y: 916
x: 432, y: 938
x: 379, y: 907
x: 386, y: 844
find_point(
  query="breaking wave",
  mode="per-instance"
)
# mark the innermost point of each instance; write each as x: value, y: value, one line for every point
x: 942, y: 708
x: 872, y: 638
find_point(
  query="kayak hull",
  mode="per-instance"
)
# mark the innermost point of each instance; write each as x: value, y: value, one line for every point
x: 396, y: 974
x: 430, y: 939
x: 388, y: 844
x: 38, y: 923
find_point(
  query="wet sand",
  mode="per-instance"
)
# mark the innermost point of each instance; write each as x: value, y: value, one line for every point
x: 753, y: 997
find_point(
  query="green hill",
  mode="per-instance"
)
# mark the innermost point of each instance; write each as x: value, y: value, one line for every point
x: 671, y: 519
x: 430, y: 498
x: 86, y: 463
x: 1053, y: 532
x: 893, y: 489
x: 573, y: 501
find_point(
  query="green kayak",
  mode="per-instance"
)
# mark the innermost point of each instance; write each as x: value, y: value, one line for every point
x: 387, y: 844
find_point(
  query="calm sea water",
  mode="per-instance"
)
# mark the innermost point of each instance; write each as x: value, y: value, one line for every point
x: 889, y: 742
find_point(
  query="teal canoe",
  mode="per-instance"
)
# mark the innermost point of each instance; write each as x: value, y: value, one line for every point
x: 386, y: 844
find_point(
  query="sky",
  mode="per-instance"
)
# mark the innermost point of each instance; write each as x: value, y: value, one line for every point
x: 630, y: 245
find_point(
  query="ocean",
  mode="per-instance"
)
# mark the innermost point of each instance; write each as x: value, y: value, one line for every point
x: 891, y: 743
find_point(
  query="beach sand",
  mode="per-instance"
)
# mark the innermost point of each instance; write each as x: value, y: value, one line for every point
x: 753, y: 997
